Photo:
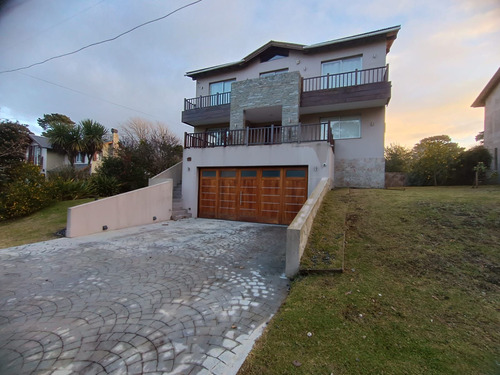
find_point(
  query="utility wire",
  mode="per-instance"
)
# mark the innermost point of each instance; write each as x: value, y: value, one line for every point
x: 89, y: 95
x: 102, y: 41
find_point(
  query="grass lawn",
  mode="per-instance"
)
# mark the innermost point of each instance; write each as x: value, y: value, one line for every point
x: 420, y: 293
x: 40, y: 226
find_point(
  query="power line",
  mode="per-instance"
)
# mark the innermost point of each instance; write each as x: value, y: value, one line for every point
x: 89, y: 95
x: 102, y: 41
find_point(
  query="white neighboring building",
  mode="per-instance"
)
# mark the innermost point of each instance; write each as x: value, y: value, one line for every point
x: 489, y: 98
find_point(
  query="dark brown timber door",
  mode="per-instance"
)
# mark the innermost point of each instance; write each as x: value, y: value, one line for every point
x: 266, y: 195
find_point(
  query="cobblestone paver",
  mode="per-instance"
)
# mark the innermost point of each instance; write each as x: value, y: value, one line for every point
x: 186, y: 297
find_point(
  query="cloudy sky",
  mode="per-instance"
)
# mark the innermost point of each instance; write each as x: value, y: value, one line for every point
x: 446, y: 52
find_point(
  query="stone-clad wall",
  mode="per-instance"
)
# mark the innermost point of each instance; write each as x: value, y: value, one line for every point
x: 279, y: 90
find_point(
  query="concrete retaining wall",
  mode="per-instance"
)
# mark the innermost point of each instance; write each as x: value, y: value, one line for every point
x: 136, y: 207
x: 174, y: 173
x: 298, y: 231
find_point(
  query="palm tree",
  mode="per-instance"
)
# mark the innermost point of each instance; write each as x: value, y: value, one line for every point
x: 66, y: 138
x: 92, y: 137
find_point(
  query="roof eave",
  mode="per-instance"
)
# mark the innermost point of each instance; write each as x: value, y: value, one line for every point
x: 490, y: 86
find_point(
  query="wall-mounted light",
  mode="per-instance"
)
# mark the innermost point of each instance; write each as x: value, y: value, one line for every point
x: 104, y: 227
x: 154, y: 218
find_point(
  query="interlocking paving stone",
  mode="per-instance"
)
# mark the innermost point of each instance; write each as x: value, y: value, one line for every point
x: 185, y: 297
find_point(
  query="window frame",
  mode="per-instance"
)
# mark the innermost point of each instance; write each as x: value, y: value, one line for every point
x: 272, y: 73
x: 343, y: 119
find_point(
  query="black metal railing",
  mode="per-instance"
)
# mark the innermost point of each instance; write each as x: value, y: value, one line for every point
x: 207, y: 101
x: 269, y: 135
x: 354, y: 78
x: 324, y: 82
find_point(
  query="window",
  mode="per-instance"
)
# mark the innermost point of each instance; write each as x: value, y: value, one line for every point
x: 220, y: 92
x: 273, y: 73
x: 80, y: 158
x: 341, y: 72
x: 346, y: 127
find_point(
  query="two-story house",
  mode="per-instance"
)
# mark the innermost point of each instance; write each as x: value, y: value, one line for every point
x: 489, y: 98
x: 269, y: 127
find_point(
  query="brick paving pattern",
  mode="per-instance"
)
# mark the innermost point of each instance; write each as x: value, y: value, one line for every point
x: 186, y: 297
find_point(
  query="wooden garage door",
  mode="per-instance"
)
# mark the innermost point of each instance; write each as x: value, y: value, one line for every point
x: 265, y: 195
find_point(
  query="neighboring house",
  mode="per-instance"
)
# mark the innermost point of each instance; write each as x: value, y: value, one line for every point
x: 267, y: 128
x: 41, y: 153
x: 109, y: 149
x: 489, y: 98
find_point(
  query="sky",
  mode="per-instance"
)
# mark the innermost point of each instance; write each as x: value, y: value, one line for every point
x: 445, y: 53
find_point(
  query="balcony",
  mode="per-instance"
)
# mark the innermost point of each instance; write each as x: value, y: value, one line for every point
x: 357, y: 89
x: 269, y: 135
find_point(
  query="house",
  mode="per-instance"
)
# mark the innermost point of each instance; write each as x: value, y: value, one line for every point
x: 41, y: 153
x: 108, y: 149
x: 489, y: 98
x: 269, y: 127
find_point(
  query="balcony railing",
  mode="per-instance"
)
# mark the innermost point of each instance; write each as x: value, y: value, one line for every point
x: 207, y: 101
x: 269, y: 135
x: 355, y: 78
x: 325, y: 82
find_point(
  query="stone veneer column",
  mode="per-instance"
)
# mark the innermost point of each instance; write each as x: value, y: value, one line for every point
x: 281, y: 89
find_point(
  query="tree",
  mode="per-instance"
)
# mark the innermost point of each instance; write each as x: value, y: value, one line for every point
x: 155, y: 146
x: 434, y: 159
x: 467, y: 161
x: 397, y: 158
x: 48, y: 121
x: 14, y: 141
x: 65, y: 138
x: 146, y: 149
x: 480, y: 137
x: 93, y: 134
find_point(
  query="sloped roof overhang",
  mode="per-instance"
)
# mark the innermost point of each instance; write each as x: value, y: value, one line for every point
x: 388, y: 34
x: 490, y: 86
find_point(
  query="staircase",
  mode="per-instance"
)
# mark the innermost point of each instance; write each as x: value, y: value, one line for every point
x: 178, y: 212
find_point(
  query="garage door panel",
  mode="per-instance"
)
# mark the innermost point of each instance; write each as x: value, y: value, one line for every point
x: 208, y: 196
x: 267, y: 195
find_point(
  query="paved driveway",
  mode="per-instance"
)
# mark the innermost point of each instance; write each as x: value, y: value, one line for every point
x: 185, y: 297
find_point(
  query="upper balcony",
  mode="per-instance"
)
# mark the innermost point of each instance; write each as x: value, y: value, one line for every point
x: 357, y: 89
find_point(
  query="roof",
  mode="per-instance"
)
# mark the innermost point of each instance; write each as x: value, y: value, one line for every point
x: 42, y: 141
x: 390, y: 34
x: 490, y: 86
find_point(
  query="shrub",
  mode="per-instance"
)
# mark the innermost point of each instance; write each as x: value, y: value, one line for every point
x: 27, y: 192
x: 63, y: 190
x: 67, y: 172
x: 105, y: 186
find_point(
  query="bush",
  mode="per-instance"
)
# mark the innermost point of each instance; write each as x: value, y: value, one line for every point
x: 105, y: 186
x: 63, y: 190
x: 27, y: 192
x: 67, y: 172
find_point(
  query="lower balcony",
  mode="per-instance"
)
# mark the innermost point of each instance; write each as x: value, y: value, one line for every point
x: 269, y: 135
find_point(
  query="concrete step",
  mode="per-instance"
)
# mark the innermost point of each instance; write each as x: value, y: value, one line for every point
x: 180, y: 214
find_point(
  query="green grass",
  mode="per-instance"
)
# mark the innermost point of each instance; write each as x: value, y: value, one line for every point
x: 420, y: 294
x: 39, y: 226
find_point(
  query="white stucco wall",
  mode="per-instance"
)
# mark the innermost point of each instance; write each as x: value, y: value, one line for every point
x: 138, y: 207
x: 309, y: 65
x: 492, y: 127
x: 317, y: 156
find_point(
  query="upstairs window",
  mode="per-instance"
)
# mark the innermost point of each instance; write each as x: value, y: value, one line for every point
x: 220, y: 92
x: 339, y: 72
x: 345, y: 127
x: 273, y: 73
